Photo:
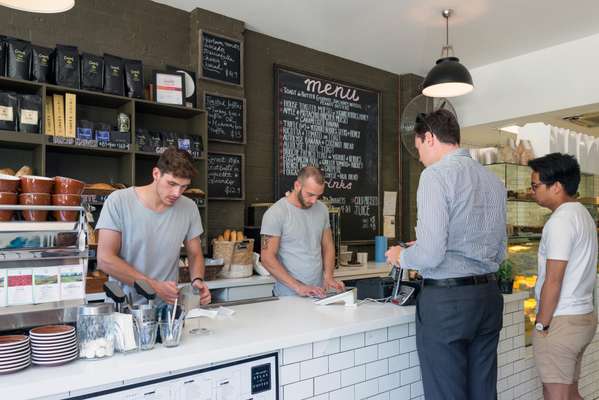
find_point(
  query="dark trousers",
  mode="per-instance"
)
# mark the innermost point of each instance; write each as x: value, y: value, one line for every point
x: 457, y: 332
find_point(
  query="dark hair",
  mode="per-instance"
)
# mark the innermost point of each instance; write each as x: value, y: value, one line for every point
x: 311, y: 171
x: 177, y: 163
x: 557, y: 167
x: 441, y: 123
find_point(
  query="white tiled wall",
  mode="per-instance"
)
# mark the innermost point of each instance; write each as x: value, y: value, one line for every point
x: 383, y: 365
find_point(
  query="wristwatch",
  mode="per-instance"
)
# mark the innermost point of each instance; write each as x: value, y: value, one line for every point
x: 197, y: 279
x: 540, y: 327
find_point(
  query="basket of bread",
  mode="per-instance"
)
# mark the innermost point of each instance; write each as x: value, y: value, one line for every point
x: 236, y: 251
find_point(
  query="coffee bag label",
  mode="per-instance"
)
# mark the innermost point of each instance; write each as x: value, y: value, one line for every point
x: 29, y: 117
x: 6, y: 113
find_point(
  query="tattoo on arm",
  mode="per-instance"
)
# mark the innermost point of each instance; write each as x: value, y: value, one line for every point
x: 264, y: 241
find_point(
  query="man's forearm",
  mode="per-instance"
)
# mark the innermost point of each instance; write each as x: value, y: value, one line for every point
x: 549, y: 299
x: 197, y: 268
x: 328, y: 260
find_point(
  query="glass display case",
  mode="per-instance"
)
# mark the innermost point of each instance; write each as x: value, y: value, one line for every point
x: 525, y: 221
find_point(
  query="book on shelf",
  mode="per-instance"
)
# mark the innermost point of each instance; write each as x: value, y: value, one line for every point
x: 49, y: 120
x: 70, y: 114
x: 58, y: 102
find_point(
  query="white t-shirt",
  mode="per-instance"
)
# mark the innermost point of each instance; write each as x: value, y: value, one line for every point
x: 570, y: 235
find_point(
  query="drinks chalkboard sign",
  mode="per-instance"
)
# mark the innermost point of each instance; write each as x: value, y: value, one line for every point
x: 225, y: 176
x: 221, y: 58
x: 334, y: 126
x: 226, y: 118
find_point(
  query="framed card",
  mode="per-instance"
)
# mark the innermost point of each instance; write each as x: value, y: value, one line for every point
x: 169, y: 87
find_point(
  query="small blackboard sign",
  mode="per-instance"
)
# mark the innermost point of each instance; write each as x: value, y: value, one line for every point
x: 226, y: 118
x: 225, y: 176
x: 221, y: 58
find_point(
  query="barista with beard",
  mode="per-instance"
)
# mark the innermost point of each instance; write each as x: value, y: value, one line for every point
x: 297, y: 244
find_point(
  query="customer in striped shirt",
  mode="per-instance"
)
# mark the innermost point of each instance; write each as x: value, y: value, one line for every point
x: 460, y: 242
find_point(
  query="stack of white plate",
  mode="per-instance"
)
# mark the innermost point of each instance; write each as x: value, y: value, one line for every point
x: 53, y: 345
x: 15, y: 353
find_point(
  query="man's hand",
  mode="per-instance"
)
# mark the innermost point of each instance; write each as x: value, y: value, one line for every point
x: 393, y: 255
x: 306, y: 290
x: 205, y: 296
x: 332, y: 283
x: 167, y: 290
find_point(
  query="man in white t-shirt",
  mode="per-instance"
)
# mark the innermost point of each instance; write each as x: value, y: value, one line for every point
x: 566, y: 320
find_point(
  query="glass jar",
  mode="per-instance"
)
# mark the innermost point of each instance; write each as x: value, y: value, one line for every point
x: 96, y: 330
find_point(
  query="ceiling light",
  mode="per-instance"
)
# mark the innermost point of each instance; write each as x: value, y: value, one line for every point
x: 39, y: 6
x: 448, y: 78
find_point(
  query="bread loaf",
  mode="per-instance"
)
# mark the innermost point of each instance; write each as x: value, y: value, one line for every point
x: 240, y: 235
x: 7, y: 171
x: 220, y: 238
x: 24, y: 170
x: 227, y: 234
x: 233, y: 236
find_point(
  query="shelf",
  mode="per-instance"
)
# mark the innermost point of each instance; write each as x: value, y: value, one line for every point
x: 21, y: 139
x: 148, y: 154
x: 585, y: 203
x: 19, y: 85
x: 71, y: 148
x: 165, y: 110
x: 23, y: 226
x: 89, y: 97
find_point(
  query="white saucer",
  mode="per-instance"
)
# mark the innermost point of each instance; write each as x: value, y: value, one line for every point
x: 56, y: 362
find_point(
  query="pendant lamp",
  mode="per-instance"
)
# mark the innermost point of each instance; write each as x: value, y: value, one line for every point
x: 39, y: 6
x: 448, y: 78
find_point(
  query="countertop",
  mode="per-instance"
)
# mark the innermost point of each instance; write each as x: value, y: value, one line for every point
x: 238, y: 336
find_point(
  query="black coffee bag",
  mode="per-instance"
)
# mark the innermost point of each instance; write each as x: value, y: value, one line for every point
x: 8, y: 111
x: 155, y: 141
x: 142, y: 140
x: 169, y: 139
x: 102, y: 131
x: 41, y: 69
x: 85, y: 129
x: 2, y: 55
x: 92, y: 72
x: 134, y: 78
x: 18, y: 57
x: 30, y: 113
x: 66, y: 66
x: 114, y: 82
x: 197, y: 146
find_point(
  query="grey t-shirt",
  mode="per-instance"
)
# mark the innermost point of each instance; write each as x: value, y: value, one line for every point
x: 300, y: 249
x: 151, y: 241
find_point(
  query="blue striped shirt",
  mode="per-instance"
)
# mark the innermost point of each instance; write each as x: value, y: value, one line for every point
x: 461, y: 227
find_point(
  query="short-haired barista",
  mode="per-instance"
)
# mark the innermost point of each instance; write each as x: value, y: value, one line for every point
x: 141, y: 230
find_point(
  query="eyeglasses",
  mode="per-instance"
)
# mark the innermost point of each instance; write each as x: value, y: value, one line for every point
x: 535, y: 185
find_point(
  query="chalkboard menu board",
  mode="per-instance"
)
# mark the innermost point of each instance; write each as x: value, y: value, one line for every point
x: 335, y: 127
x: 226, y: 118
x: 221, y: 58
x: 225, y: 176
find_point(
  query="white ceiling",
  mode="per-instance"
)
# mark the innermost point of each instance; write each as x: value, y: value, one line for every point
x: 403, y: 36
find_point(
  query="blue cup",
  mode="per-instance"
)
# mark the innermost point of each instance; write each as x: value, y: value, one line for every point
x: 380, y: 247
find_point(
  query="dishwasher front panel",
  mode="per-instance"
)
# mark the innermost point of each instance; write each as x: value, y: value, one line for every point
x: 254, y: 378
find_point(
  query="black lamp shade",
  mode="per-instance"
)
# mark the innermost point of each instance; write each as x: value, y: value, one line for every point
x: 448, y: 78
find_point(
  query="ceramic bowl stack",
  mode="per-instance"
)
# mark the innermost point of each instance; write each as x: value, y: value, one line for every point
x: 15, y: 353
x: 53, y: 345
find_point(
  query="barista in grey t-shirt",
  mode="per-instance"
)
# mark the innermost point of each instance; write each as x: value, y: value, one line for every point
x: 297, y: 243
x: 142, y: 229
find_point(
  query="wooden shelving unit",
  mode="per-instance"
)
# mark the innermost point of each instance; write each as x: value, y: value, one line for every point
x: 98, y: 164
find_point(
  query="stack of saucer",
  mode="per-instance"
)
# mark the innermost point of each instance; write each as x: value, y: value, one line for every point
x: 54, y: 345
x: 15, y: 353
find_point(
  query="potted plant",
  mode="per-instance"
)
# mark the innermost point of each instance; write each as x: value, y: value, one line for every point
x: 505, y: 277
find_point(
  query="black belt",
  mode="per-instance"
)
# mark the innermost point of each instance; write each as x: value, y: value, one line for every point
x: 463, y: 281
